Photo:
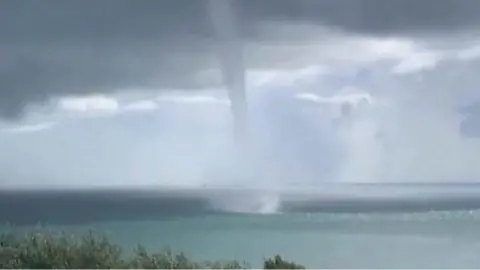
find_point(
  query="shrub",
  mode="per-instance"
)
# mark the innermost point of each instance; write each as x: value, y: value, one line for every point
x: 46, y: 251
x: 60, y: 251
x: 168, y: 260
x: 278, y: 263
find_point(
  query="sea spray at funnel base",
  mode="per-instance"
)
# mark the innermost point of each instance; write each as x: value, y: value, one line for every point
x: 248, y: 203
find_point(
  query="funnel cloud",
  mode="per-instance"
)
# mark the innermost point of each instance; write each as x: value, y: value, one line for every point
x: 231, y: 58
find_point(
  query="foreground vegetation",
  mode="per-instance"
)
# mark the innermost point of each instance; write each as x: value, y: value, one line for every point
x: 60, y: 251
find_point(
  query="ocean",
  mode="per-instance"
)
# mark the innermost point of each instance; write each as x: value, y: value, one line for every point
x: 431, y: 231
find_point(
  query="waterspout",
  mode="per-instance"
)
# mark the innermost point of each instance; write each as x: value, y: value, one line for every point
x: 230, y: 52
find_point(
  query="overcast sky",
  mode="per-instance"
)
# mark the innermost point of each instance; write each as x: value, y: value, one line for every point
x: 125, y: 92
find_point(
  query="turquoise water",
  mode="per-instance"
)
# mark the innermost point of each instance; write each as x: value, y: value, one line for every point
x: 435, y: 239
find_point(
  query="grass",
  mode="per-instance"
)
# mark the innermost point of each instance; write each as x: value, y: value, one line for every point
x: 60, y: 251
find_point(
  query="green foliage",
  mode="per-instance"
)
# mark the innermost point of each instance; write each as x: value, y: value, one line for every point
x: 60, y: 251
x: 168, y: 260
x: 278, y: 263
x: 47, y: 251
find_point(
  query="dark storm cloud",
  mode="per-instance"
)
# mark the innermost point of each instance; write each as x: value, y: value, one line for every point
x: 51, y: 48
x: 378, y: 17
x: 170, y: 21
x: 39, y: 72
x: 56, y: 47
